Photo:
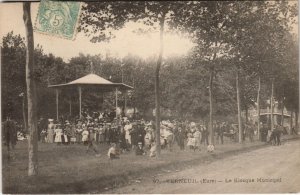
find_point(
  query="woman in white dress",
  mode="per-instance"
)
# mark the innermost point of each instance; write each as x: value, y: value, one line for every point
x: 128, y: 128
x: 85, y: 136
x: 197, y: 136
x: 78, y: 132
x: 148, y: 137
x: 191, y: 141
x: 101, y: 134
x: 58, y: 134
x: 50, y: 131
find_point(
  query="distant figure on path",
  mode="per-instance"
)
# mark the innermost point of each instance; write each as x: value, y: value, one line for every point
x: 9, y: 133
x: 277, y: 134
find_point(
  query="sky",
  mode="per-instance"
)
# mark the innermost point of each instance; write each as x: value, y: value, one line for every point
x: 125, y: 42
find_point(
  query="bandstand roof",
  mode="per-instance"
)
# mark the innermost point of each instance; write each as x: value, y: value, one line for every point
x: 93, y: 81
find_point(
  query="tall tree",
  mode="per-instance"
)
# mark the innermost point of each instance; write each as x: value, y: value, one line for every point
x: 238, y: 98
x: 31, y: 93
x: 258, y: 34
x: 207, y: 24
x: 12, y: 66
x: 289, y: 80
x: 114, y: 15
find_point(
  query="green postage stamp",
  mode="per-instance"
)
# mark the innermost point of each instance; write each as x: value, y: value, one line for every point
x: 58, y: 18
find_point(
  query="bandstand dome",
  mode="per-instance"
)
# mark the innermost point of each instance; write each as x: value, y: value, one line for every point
x: 93, y: 80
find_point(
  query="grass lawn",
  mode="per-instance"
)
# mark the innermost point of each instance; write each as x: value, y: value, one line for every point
x: 69, y: 169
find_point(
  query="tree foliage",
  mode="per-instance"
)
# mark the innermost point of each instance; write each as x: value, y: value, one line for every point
x: 260, y: 36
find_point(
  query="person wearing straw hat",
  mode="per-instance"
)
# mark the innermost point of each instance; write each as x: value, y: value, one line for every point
x: 58, y: 134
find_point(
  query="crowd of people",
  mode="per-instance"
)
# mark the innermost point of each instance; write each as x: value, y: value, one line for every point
x: 125, y: 134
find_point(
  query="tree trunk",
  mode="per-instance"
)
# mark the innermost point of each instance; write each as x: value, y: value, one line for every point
x: 210, y: 125
x: 124, y: 105
x: 157, y: 91
x: 272, y: 106
x: 291, y: 122
x: 80, y: 102
x: 133, y: 96
x: 246, y: 114
x: 117, y: 104
x: 56, y: 99
x: 31, y: 94
x: 24, y: 113
x: 258, y: 109
x: 282, y: 116
x: 239, y: 107
x: 70, y: 108
x: 296, y: 120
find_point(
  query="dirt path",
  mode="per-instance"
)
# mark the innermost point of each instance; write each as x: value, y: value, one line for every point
x: 268, y: 170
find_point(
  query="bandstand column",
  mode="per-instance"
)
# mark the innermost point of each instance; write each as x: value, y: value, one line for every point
x: 56, y: 91
x: 125, y: 102
x: 80, y: 92
x: 70, y: 107
x: 116, y: 102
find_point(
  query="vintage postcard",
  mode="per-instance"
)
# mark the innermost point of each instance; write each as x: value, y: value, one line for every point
x: 149, y: 97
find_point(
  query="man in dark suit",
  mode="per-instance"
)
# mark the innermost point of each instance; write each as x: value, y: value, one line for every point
x: 9, y: 133
x: 139, y: 149
x: 220, y: 132
x: 205, y: 134
x: 180, y: 137
x: 264, y: 133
